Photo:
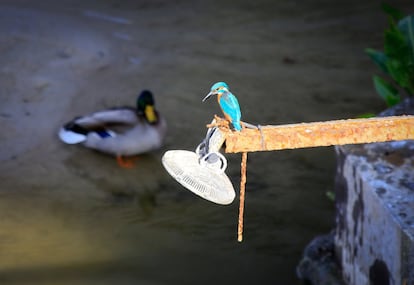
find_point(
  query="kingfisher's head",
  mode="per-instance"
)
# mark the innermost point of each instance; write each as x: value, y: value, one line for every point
x: 217, y: 88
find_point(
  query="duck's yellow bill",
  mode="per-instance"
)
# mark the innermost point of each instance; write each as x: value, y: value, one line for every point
x: 150, y: 114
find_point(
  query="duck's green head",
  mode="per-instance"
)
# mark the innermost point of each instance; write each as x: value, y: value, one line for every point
x: 218, y: 86
x: 145, y: 106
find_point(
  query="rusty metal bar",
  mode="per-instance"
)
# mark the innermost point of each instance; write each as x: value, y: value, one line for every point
x: 338, y: 132
x: 243, y: 167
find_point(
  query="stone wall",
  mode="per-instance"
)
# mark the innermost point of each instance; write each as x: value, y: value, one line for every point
x: 374, y: 237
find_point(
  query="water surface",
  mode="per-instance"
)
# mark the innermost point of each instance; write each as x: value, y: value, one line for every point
x: 72, y: 216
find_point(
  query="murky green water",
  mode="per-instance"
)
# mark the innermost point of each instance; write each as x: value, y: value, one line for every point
x: 160, y: 234
x: 72, y: 216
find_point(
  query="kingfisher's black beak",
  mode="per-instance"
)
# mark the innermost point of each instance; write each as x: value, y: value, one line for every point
x: 209, y: 95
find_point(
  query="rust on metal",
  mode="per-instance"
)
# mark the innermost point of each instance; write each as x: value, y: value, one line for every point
x: 291, y: 136
x: 243, y: 167
x: 315, y: 134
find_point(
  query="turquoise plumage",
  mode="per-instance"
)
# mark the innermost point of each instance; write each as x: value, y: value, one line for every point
x: 227, y: 102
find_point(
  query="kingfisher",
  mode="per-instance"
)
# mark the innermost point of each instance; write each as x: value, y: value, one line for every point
x: 227, y: 102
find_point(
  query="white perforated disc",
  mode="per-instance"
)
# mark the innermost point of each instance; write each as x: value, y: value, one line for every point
x: 210, y: 184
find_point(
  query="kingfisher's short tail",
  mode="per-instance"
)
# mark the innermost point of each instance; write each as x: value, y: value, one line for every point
x: 237, y: 126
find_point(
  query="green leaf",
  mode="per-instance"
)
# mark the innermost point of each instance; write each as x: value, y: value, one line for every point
x: 400, y: 72
x: 379, y: 58
x: 406, y: 27
x: 392, y: 12
x: 395, y: 44
x: 400, y: 55
x: 330, y: 195
x: 386, y: 91
x: 397, y: 57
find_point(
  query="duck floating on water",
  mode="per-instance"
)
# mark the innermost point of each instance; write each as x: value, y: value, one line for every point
x: 119, y: 131
x: 228, y: 103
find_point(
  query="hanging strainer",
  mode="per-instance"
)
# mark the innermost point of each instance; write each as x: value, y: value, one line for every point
x: 202, y: 171
x: 205, y: 177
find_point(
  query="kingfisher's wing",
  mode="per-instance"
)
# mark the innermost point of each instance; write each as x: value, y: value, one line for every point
x: 230, y: 106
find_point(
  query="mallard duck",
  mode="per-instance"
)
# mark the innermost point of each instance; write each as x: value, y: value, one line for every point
x: 119, y: 131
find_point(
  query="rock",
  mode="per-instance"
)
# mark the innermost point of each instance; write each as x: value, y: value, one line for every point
x: 374, y: 240
x: 318, y: 265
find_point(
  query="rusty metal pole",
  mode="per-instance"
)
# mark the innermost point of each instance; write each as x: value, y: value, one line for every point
x: 242, y: 196
x: 328, y: 133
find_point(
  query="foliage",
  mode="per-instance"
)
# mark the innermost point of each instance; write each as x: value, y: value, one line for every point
x: 396, y: 61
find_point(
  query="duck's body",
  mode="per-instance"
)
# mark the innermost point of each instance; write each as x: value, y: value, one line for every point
x: 122, y: 131
x: 228, y: 103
